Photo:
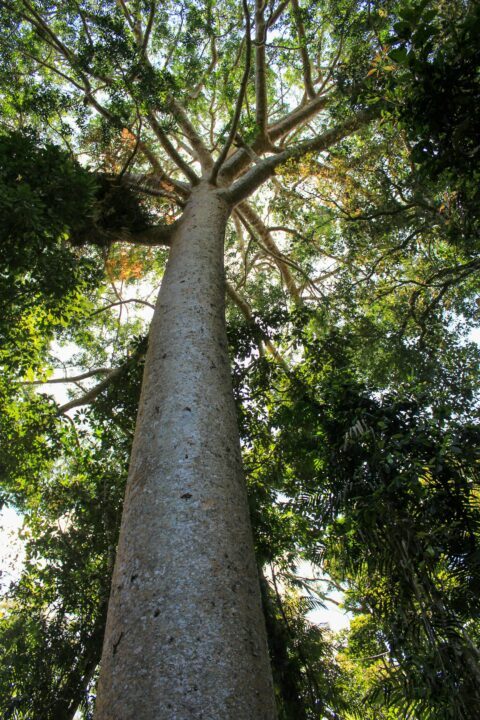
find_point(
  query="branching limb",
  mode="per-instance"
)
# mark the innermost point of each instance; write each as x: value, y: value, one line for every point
x: 246, y: 310
x: 277, y: 13
x: 299, y: 116
x: 307, y: 69
x: 133, y: 153
x: 157, y: 235
x: 261, y: 110
x: 176, y: 107
x: 255, y: 177
x: 166, y: 183
x: 192, y: 135
x: 136, y: 301
x: 310, y: 240
x: 53, y: 69
x: 148, y: 29
x: 90, y: 98
x: 213, y: 62
x: 253, y: 221
x: 238, y: 109
x: 171, y: 150
x: 240, y: 160
x: 157, y: 186
x: 329, y: 71
x: 239, y: 232
x: 92, y: 394
x: 128, y: 16
x: 72, y: 379
x: 45, y: 31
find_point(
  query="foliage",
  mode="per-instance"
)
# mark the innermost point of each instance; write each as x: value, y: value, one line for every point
x: 58, y: 607
x: 45, y: 196
x: 384, y: 496
x: 353, y: 280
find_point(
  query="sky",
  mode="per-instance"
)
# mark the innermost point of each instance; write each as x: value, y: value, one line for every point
x: 11, y: 547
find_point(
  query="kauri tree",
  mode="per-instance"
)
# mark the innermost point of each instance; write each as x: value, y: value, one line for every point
x: 292, y: 158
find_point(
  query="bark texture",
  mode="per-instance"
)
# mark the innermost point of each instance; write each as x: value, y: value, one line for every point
x: 185, y: 634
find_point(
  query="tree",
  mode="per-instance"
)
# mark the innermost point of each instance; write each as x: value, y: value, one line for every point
x: 209, y: 114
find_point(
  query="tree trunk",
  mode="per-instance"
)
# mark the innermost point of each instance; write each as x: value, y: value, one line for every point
x: 185, y: 634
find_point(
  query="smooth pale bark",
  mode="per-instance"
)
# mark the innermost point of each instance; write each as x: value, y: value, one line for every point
x: 185, y: 634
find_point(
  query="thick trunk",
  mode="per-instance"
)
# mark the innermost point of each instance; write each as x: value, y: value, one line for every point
x: 185, y: 634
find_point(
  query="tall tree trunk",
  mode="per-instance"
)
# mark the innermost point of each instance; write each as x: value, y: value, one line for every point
x: 185, y: 634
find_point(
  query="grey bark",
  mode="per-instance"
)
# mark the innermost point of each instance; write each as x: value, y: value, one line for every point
x: 185, y: 634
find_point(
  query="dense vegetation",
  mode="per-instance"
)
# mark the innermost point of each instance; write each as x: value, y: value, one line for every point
x: 353, y: 287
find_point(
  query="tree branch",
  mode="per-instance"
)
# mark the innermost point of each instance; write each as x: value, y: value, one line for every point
x: 86, y: 89
x: 277, y: 13
x: 160, y: 185
x: 246, y: 310
x: 170, y: 150
x: 92, y: 394
x: 300, y: 115
x: 130, y: 20
x: 157, y: 235
x: 213, y: 62
x: 121, y: 302
x: 249, y: 217
x: 177, y: 109
x: 261, y: 112
x: 247, y: 184
x: 149, y: 27
x: 53, y: 69
x: 240, y: 160
x: 73, y: 379
x: 45, y: 30
x: 193, y: 137
x: 307, y: 70
x: 238, y: 109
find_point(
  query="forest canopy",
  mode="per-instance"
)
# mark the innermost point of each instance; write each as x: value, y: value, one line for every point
x: 343, y: 137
